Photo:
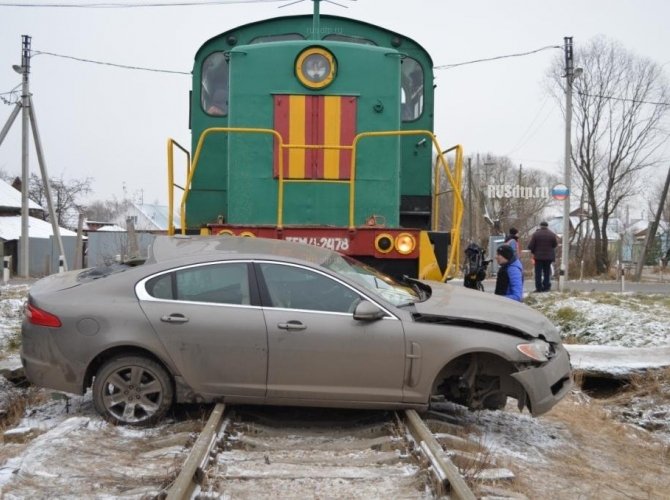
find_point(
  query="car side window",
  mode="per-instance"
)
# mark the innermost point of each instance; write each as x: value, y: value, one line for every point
x: 224, y: 283
x: 299, y: 288
x: 161, y: 287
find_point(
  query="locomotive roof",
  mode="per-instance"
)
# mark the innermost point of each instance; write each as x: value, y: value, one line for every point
x: 309, y: 17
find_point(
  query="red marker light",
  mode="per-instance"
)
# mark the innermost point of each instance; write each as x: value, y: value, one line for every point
x: 40, y: 317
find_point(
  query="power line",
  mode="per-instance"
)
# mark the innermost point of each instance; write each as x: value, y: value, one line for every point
x: 13, y: 96
x: 520, y: 54
x: 118, y: 5
x: 124, y: 66
x: 530, y: 131
x: 11, y: 91
x: 637, y: 101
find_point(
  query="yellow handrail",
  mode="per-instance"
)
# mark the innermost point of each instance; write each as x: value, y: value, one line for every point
x: 454, y: 179
x: 457, y: 213
x: 391, y: 133
x: 171, y: 143
x: 243, y: 130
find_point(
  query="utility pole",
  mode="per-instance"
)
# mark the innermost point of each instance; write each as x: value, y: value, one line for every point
x: 569, y: 77
x: 470, y: 221
x: 29, y: 119
x: 478, y: 207
x: 651, y: 231
x: 24, y: 254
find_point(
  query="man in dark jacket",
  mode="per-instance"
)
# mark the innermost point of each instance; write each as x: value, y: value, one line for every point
x: 509, y: 281
x: 512, y: 239
x: 543, y: 245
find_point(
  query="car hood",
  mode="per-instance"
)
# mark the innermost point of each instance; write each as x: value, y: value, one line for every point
x: 484, y: 310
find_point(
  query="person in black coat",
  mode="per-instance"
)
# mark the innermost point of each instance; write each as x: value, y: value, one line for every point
x: 512, y: 239
x: 543, y: 245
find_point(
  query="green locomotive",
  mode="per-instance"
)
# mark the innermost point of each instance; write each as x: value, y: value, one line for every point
x: 318, y: 129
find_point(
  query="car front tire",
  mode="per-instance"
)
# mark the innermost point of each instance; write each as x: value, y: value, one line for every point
x: 132, y: 390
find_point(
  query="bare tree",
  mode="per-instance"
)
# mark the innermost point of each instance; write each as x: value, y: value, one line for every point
x: 505, y: 195
x: 66, y: 195
x: 106, y: 210
x: 653, y: 227
x: 513, y: 196
x: 653, y: 198
x: 620, y: 101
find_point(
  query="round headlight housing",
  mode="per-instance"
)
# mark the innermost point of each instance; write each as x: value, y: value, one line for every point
x: 315, y: 68
x: 384, y: 243
x: 405, y: 243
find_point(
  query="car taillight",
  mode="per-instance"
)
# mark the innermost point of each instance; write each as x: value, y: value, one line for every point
x: 40, y: 317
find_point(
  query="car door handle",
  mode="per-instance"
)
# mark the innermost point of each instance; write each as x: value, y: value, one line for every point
x: 174, y: 318
x: 291, y: 325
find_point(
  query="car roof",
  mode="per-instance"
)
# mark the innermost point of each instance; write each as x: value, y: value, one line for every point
x: 167, y: 248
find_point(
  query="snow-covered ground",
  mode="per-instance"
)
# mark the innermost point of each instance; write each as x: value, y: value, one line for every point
x: 12, y: 298
x: 62, y: 448
x: 612, y: 319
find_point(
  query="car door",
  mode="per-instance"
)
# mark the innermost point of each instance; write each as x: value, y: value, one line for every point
x: 209, y: 320
x: 317, y: 351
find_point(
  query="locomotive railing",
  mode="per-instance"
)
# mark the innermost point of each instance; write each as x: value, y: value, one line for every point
x: 171, y: 144
x: 457, y: 213
x: 454, y: 179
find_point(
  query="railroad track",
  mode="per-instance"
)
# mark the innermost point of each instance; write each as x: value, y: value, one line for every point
x: 298, y: 453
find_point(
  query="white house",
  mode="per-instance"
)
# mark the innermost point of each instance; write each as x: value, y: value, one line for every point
x: 41, y: 249
x: 147, y: 217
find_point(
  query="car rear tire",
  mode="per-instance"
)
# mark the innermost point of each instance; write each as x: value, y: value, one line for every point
x: 132, y: 390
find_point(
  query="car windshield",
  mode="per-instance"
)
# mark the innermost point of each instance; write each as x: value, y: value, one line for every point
x: 375, y: 281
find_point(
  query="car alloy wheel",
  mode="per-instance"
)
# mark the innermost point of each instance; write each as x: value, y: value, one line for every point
x: 132, y: 390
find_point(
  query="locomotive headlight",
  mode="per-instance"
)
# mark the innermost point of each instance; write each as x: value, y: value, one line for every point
x: 384, y: 243
x: 405, y: 243
x: 315, y: 68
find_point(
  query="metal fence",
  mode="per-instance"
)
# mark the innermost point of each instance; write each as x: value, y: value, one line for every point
x: 105, y: 247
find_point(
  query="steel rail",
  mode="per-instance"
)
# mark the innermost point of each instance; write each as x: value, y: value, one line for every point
x: 449, y: 479
x: 447, y: 473
x: 190, y: 475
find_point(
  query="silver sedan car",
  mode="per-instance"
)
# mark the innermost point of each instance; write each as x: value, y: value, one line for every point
x: 248, y: 320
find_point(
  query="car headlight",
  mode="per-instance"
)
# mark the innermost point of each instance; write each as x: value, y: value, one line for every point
x: 538, y: 350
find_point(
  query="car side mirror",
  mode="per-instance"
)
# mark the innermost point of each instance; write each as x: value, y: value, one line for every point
x: 367, y: 311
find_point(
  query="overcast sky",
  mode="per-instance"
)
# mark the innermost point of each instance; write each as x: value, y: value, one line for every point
x: 111, y: 124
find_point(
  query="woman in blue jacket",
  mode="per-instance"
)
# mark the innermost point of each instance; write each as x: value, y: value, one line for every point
x: 510, y: 274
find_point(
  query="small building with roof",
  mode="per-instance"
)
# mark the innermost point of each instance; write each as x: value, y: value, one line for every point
x: 42, y: 246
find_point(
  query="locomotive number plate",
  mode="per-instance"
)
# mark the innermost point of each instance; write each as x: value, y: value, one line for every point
x: 337, y: 244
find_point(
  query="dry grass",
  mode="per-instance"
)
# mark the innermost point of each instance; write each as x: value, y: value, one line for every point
x: 14, y: 410
x: 653, y: 384
x: 16, y: 404
x: 605, y: 459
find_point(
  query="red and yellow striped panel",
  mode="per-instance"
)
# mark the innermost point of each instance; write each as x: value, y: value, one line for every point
x: 315, y: 120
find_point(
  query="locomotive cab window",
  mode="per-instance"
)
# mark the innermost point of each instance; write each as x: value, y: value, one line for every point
x: 214, y: 85
x: 350, y: 39
x: 277, y: 38
x: 411, y: 81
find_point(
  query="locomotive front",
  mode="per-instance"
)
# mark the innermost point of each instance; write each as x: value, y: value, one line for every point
x: 318, y: 135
